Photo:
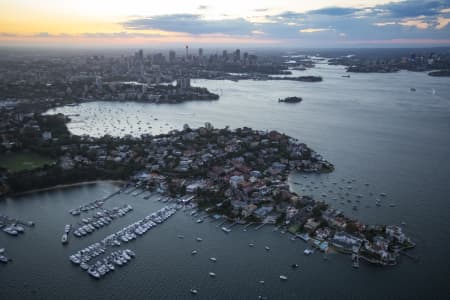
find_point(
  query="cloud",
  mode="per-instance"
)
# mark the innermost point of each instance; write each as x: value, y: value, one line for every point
x: 334, y: 11
x: 418, y: 23
x: 442, y: 22
x: 190, y: 23
x: 381, y: 24
x: 7, y: 34
x: 258, y: 32
x: 121, y: 34
x: 414, y: 8
x: 313, y: 30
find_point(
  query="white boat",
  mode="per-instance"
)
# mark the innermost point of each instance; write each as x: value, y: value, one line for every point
x: 227, y: 230
x: 212, y: 274
x: 194, y: 252
x: 19, y: 228
x: 64, y: 238
x: 251, y: 245
x: 3, y: 259
x: 308, y: 251
x: 193, y: 291
x: 267, y: 248
x: 283, y: 277
x: 199, y: 239
x: 213, y: 259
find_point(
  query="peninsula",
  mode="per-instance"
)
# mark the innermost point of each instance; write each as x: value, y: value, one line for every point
x: 240, y: 174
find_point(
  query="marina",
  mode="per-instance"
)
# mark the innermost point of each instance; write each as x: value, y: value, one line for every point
x: 100, y: 219
x: 125, y: 235
x: 13, y: 226
x: 92, y: 205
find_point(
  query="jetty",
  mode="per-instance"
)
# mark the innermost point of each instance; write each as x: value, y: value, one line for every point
x: 260, y: 226
x: 93, y: 204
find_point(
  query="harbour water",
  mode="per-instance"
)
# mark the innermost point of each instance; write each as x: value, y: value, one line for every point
x: 371, y: 126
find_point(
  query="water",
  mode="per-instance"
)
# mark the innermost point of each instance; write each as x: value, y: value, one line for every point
x: 371, y: 126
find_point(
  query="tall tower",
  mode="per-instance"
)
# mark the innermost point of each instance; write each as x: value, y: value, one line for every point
x: 187, y: 52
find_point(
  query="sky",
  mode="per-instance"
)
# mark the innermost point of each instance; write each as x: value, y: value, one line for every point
x: 275, y: 23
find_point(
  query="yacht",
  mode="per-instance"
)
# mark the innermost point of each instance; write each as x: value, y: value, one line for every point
x: 283, y: 277
x: 193, y: 291
x: 19, y: 228
x: 67, y: 228
x: 308, y: 252
x: 110, y: 266
x: 213, y: 259
x: 130, y: 253
x: 294, y: 266
x: 199, y: 239
x: 212, y: 274
x: 199, y: 220
x: 10, y: 231
x: 267, y: 248
x: 251, y: 245
x: 64, y: 238
x: 194, y: 252
x: 94, y: 273
x: 227, y: 230
x: 3, y: 259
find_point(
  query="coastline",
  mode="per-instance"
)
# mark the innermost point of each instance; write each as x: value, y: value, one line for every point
x: 81, y: 183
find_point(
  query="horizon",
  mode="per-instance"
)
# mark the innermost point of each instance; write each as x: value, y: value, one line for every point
x: 262, y: 24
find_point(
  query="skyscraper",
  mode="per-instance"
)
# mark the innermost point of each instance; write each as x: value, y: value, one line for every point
x: 172, y: 56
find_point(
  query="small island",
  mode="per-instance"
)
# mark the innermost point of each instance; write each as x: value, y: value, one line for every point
x: 291, y: 100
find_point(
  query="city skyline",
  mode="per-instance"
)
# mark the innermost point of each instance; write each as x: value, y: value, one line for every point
x: 350, y: 23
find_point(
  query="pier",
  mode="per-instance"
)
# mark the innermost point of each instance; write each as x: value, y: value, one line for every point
x: 93, y: 205
x: 229, y: 227
x: 260, y: 226
x: 221, y: 223
x: 248, y: 225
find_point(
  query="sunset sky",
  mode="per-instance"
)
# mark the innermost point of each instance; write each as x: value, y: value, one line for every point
x: 318, y: 23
